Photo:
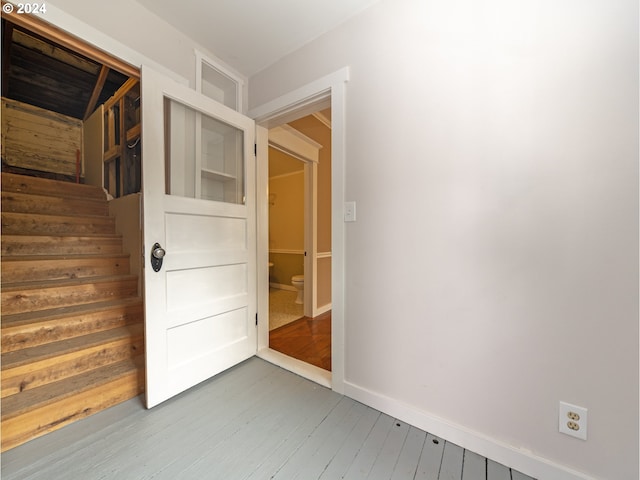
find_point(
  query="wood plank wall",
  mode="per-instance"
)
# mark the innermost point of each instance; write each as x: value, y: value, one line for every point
x: 38, y: 139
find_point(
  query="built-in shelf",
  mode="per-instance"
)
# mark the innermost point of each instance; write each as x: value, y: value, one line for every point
x: 219, y: 176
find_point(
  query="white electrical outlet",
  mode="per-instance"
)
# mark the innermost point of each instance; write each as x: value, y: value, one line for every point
x: 572, y: 420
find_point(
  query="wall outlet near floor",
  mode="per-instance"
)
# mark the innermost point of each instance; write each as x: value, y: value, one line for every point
x: 572, y: 420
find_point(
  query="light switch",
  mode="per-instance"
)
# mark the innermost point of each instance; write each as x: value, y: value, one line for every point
x: 350, y: 211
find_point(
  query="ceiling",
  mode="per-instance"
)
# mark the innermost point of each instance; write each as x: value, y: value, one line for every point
x: 250, y: 35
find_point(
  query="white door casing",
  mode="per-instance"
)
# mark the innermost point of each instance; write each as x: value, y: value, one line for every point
x: 200, y: 308
x: 297, y: 145
x: 290, y: 106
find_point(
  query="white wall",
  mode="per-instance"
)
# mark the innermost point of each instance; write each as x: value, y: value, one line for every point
x: 492, y: 149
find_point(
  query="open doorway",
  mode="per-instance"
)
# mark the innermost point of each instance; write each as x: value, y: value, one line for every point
x: 286, y: 239
x: 325, y: 92
x: 300, y: 238
x: 305, y: 134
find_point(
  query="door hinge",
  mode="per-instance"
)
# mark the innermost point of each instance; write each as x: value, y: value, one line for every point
x: 256, y: 319
x: 255, y: 149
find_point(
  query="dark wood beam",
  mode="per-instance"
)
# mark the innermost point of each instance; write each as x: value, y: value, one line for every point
x: 97, y: 89
x: 6, y: 56
x: 40, y: 27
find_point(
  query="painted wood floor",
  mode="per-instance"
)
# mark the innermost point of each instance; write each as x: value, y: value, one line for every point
x: 255, y: 421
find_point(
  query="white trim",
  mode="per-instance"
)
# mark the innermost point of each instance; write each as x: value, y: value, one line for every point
x: 312, y: 96
x: 287, y: 135
x: 290, y: 174
x: 310, y: 238
x: 282, y: 286
x: 313, y: 103
x: 518, y: 459
x: 325, y: 91
x: 304, y: 369
x: 286, y: 152
x: 323, y: 309
x: 222, y: 69
x: 286, y: 251
x: 297, y: 145
x: 322, y: 119
x: 262, y: 213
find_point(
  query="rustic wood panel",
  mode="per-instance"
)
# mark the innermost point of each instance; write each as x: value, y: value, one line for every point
x: 28, y: 416
x: 34, y: 296
x: 33, y: 42
x: 37, y: 328
x: 35, y: 224
x: 93, y: 142
x: 40, y: 27
x: 60, y: 244
x: 30, y: 368
x: 25, y: 203
x: 35, y: 268
x: 45, y: 186
x: 65, y: 317
x: 37, y: 139
x: 46, y: 67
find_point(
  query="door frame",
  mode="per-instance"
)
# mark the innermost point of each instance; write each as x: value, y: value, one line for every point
x: 292, y: 105
x: 296, y: 145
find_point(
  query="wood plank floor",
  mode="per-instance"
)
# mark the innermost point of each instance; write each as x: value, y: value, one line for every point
x: 307, y: 339
x: 254, y: 421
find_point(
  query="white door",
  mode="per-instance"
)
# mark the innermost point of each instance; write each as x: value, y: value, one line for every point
x: 199, y: 211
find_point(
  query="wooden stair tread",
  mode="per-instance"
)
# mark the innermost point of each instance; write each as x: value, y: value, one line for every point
x: 60, y: 217
x: 15, y: 202
x: 47, y: 196
x: 47, y: 351
x: 28, y: 400
x: 37, y: 224
x: 72, y: 323
x: 17, y: 319
x: 37, y: 186
x: 67, y: 282
x: 60, y: 244
x: 62, y: 236
x: 22, y: 297
x: 30, y: 329
x: 62, y: 257
x: 26, y: 268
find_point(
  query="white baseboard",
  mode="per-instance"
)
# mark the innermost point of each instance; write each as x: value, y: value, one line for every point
x: 282, y: 286
x: 322, y: 309
x: 518, y: 459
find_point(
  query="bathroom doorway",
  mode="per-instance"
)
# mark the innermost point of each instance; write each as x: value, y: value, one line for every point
x: 300, y: 239
x: 326, y: 92
x: 286, y: 239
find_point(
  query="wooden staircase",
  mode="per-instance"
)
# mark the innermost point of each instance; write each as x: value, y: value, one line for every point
x: 72, y: 330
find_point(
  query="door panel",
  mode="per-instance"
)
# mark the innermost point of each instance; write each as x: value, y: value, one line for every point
x: 199, y: 205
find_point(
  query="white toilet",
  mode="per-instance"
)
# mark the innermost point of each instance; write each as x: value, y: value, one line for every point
x: 298, y: 282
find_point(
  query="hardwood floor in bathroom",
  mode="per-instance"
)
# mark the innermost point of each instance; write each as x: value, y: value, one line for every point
x: 307, y: 339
